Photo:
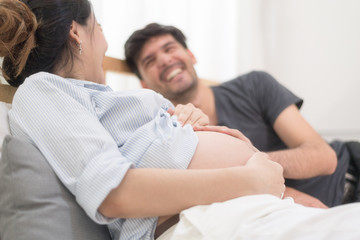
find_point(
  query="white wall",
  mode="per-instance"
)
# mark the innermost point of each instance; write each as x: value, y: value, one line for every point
x: 313, y: 47
x: 310, y: 46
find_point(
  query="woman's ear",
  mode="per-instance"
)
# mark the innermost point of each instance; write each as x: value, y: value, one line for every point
x: 74, y: 32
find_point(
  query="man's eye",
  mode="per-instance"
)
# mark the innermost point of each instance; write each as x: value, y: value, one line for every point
x: 169, y: 49
x: 149, y: 62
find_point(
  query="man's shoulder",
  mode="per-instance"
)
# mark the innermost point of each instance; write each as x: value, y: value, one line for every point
x: 254, y: 76
x: 250, y: 79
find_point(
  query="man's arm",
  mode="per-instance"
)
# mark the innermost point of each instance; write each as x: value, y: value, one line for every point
x: 299, y: 197
x: 308, y: 155
x: 303, y: 198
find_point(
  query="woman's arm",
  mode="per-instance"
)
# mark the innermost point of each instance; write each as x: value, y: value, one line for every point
x: 161, y: 192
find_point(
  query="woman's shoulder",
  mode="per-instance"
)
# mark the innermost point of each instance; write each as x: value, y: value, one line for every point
x: 40, y: 79
x: 43, y: 76
x: 45, y: 84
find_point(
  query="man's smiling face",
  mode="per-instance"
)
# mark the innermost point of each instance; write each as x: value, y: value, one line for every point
x: 166, y: 66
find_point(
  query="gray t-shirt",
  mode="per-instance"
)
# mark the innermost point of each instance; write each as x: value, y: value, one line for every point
x: 251, y: 103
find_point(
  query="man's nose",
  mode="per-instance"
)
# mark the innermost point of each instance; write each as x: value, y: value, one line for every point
x: 164, y: 59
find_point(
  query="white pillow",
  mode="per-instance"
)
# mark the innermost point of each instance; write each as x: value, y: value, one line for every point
x: 4, y: 122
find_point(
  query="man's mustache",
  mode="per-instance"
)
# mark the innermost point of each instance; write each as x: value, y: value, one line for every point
x: 166, y: 69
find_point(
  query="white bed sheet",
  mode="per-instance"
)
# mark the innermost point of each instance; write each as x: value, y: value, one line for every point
x: 266, y: 217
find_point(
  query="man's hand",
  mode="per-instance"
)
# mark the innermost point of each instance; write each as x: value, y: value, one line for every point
x: 222, y: 129
x: 189, y: 114
x: 229, y: 131
x: 303, y: 198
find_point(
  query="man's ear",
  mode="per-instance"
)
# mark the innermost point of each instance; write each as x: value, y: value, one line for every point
x: 192, y: 56
x: 143, y: 84
x: 74, y: 32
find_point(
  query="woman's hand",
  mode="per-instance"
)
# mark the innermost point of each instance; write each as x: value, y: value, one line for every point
x: 189, y: 114
x: 268, y: 175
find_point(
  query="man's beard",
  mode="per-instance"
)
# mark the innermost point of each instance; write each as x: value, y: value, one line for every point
x: 185, y: 95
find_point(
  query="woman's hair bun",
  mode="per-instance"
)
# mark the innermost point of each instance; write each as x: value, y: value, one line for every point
x: 18, y: 26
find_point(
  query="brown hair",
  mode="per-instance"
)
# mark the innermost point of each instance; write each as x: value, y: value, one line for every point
x: 34, y: 35
x: 17, y: 30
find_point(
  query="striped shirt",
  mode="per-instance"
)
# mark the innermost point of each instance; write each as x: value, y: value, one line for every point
x: 92, y: 135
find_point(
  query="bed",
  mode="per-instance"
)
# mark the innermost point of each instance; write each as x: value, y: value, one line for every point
x: 34, y: 204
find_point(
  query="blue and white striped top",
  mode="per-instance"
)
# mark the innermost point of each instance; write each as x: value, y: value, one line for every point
x: 92, y: 135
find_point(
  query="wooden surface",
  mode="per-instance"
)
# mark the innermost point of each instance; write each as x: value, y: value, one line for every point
x: 115, y: 65
x: 110, y: 64
x: 119, y: 66
x: 6, y: 93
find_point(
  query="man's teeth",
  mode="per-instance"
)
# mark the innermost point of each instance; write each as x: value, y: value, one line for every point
x: 173, y: 74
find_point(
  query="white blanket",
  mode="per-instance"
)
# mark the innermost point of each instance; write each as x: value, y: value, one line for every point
x: 266, y: 217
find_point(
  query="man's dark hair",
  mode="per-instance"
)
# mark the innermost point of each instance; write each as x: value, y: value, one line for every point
x: 137, y: 40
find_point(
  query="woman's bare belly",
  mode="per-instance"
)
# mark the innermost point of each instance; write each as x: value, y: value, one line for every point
x: 217, y: 150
